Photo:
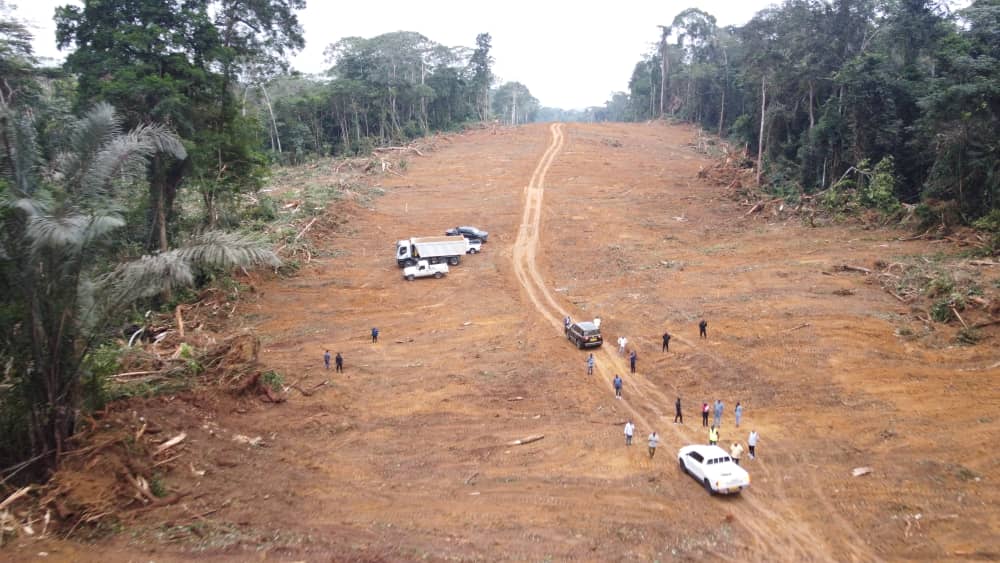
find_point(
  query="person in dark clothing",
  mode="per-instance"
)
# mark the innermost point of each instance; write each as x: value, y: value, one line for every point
x: 618, y: 387
x: 666, y: 342
x: 340, y: 362
x: 677, y: 412
x: 702, y: 329
x: 631, y: 360
x: 704, y: 414
x: 326, y: 359
x: 374, y: 335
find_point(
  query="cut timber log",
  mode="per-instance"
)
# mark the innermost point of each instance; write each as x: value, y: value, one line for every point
x: 180, y: 320
x: 849, y: 268
x: 17, y: 494
x: 983, y: 263
x: 303, y: 231
x: 960, y: 319
x: 527, y: 440
x: 170, y: 443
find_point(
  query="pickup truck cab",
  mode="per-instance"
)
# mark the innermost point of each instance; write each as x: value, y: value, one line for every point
x: 424, y: 269
x: 475, y: 246
x: 713, y: 468
x: 584, y: 334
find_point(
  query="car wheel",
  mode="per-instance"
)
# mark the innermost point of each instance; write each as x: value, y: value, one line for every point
x: 453, y: 260
x: 438, y: 275
x: 409, y: 278
x: 683, y: 467
x: 579, y: 344
x: 708, y: 487
x: 473, y: 251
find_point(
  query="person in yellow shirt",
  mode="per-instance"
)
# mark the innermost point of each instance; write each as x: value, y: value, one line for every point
x: 735, y: 451
x: 713, y: 436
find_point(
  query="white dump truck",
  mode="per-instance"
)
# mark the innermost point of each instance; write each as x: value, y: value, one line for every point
x: 424, y: 270
x: 433, y: 249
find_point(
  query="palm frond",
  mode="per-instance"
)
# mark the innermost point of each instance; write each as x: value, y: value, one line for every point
x: 101, y: 225
x: 229, y: 250
x: 125, y: 156
x: 29, y: 207
x: 88, y: 136
x: 163, y: 139
x: 59, y: 234
x: 145, y: 277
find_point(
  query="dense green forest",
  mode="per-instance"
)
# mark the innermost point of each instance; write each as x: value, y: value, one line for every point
x: 832, y: 95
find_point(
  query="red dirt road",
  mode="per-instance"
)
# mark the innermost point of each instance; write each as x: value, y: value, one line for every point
x: 404, y: 457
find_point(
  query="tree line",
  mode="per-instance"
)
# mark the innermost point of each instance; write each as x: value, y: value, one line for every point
x: 383, y: 90
x: 827, y: 95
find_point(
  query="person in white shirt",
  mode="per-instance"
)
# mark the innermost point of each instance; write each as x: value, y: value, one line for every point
x: 752, y: 443
x: 735, y: 451
x: 622, y: 342
x: 654, y: 441
x: 629, y: 431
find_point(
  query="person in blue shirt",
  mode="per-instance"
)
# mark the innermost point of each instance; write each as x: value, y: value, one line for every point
x: 618, y: 386
x: 631, y: 359
x: 717, y: 416
x: 374, y: 335
x: 590, y: 365
x: 326, y: 359
x: 739, y: 413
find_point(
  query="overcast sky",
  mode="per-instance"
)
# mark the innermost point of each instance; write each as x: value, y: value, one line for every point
x: 568, y: 54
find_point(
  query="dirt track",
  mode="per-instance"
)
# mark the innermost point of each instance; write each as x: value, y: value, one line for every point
x: 404, y: 457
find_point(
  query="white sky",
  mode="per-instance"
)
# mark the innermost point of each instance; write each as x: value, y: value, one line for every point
x: 570, y: 55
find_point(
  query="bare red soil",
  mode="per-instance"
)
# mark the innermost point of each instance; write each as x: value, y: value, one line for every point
x: 405, y: 455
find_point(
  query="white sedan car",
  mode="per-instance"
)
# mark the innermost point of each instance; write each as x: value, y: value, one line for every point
x: 713, y: 468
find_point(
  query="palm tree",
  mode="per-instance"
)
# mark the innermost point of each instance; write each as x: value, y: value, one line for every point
x: 57, y: 257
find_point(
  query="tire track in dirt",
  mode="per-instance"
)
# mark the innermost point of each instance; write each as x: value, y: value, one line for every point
x: 785, y: 535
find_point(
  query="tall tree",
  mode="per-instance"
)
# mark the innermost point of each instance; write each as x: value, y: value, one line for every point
x: 482, y: 74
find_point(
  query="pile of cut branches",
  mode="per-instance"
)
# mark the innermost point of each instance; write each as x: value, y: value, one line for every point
x: 939, y: 291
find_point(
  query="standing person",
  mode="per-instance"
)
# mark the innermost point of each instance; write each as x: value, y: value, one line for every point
x: 618, y: 386
x: 717, y: 416
x: 597, y: 322
x: 631, y: 360
x: 622, y: 342
x: 713, y: 436
x: 374, y: 335
x: 735, y: 451
x: 739, y: 413
x: 666, y: 342
x: 654, y: 441
x: 677, y: 411
x: 752, y: 443
x: 590, y: 364
x: 566, y: 323
x: 629, y: 431
x: 326, y: 359
x: 704, y: 414
x: 702, y: 329
x: 340, y: 363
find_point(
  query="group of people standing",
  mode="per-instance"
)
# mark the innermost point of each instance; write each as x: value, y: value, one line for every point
x: 735, y: 449
x: 339, y: 359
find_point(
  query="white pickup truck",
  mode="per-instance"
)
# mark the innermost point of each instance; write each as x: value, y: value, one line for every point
x: 424, y: 269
